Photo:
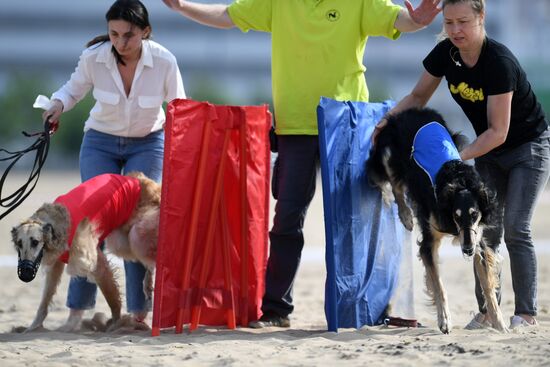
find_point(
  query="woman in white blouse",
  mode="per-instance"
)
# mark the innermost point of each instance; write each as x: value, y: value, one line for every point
x: 131, y: 76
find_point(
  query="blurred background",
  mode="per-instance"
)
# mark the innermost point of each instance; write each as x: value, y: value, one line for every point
x: 41, y: 41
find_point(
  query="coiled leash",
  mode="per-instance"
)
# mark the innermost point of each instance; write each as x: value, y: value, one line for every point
x: 41, y: 146
x: 398, y: 321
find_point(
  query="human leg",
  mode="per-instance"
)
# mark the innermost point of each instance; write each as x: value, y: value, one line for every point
x: 98, y: 155
x: 529, y: 168
x: 293, y: 187
x: 144, y: 155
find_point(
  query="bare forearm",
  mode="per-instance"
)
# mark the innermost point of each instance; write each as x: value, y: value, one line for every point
x: 409, y: 101
x: 484, y: 143
x: 213, y: 15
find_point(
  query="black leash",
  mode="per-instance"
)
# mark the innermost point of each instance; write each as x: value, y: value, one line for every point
x: 41, y: 146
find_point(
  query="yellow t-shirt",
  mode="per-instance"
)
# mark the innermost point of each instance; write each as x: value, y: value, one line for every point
x: 317, y: 50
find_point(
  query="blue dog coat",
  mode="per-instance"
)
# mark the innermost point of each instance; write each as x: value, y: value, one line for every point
x: 433, y: 147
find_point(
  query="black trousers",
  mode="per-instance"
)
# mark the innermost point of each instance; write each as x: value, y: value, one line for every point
x: 293, y: 186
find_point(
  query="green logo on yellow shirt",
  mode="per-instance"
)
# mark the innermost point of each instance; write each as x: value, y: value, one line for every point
x: 467, y: 93
x: 333, y: 15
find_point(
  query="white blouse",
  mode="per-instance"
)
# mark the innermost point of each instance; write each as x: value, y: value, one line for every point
x: 157, y: 79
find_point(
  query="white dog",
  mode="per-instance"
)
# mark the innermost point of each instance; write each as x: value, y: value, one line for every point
x: 122, y: 210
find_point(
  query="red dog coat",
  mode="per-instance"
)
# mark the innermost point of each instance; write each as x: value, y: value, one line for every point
x: 107, y: 200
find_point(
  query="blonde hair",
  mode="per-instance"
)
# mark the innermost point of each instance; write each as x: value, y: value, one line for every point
x: 478, y: 6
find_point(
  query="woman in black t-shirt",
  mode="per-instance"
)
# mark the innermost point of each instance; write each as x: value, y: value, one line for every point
x: 512, y: 148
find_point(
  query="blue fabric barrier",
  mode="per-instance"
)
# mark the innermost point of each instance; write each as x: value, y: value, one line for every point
x: 364, y: 237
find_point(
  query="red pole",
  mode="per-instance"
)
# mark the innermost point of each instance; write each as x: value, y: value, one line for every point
x: 196, y: 312
x: 155, y: 331
x: 192, y: 237
x: 244, y: 223
x: 228, y: 279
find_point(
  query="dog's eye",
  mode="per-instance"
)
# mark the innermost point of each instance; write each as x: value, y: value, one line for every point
x: 34, y: 243
x: 19, y: 244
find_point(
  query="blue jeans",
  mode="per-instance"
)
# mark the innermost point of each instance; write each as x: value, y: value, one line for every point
x: 103, y: 153
x: 518, y: 176
x: 293, y: 186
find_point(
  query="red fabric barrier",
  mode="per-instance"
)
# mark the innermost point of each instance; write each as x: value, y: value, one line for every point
x: 212, y: 255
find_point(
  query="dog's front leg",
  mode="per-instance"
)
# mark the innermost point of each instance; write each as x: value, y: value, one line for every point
x: 53, y: 275
x: 486, y: 265
x: 404, y: 211
x: 429, y: 249
x: 105, y: 280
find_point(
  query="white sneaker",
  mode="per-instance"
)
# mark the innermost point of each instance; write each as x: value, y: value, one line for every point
x: 479, y: 321
x: 517, y: 321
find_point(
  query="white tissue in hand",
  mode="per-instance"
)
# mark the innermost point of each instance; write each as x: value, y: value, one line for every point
x: 42, y: 102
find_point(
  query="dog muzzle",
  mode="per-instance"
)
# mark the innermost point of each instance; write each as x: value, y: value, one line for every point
x: 469, y: 251
x: 27, y: 269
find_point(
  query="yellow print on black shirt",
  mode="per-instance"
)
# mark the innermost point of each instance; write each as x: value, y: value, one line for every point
x: 467, y: 93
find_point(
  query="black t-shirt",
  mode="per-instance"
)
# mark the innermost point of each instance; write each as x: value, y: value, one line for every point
x: 496, y: 72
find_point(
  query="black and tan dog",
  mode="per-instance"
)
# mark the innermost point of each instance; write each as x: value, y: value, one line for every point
x: 416, y: 159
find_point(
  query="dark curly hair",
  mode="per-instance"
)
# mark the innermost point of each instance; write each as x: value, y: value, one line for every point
x: 132, y: 11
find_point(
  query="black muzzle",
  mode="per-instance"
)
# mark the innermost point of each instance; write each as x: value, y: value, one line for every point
x: 27, y: 269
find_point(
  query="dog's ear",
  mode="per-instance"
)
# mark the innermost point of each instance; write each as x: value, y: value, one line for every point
x: 445, y: 201
x: 486, y: 202
x: 14, y: 234
x: 48, y: 234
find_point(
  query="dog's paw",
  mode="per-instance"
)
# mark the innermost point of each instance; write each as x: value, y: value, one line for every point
x: 498, y: 324
x: 445, y: 326
x: 24, y: 329
x: 19, y: 329
x: 35, y: 327
x: 407, y: 220
x: 127, y: 324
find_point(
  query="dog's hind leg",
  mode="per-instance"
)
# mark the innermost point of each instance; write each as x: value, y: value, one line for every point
x: 486, y: 265
x: 53, y: 275
x: 105, y: 279
x: 143, y: 237
x: 429, y: 253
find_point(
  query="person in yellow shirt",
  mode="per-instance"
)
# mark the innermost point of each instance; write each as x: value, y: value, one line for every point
x: 317, y: 50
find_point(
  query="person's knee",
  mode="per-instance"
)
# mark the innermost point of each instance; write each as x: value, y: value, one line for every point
x: 517, y: 232
x: 289, y: 217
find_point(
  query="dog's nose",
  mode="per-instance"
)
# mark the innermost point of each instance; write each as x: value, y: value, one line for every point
x: 469, y: 251
x: 26, y: 273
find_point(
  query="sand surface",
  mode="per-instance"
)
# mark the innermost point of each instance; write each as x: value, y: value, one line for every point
x: 306, y: 343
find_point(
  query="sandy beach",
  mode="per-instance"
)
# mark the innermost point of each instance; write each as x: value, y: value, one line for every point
x: 306, y: 343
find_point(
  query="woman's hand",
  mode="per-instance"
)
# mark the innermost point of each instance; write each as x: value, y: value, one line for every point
x: 54, y: 112
x: 425, y: 13
x: 173, y: 4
